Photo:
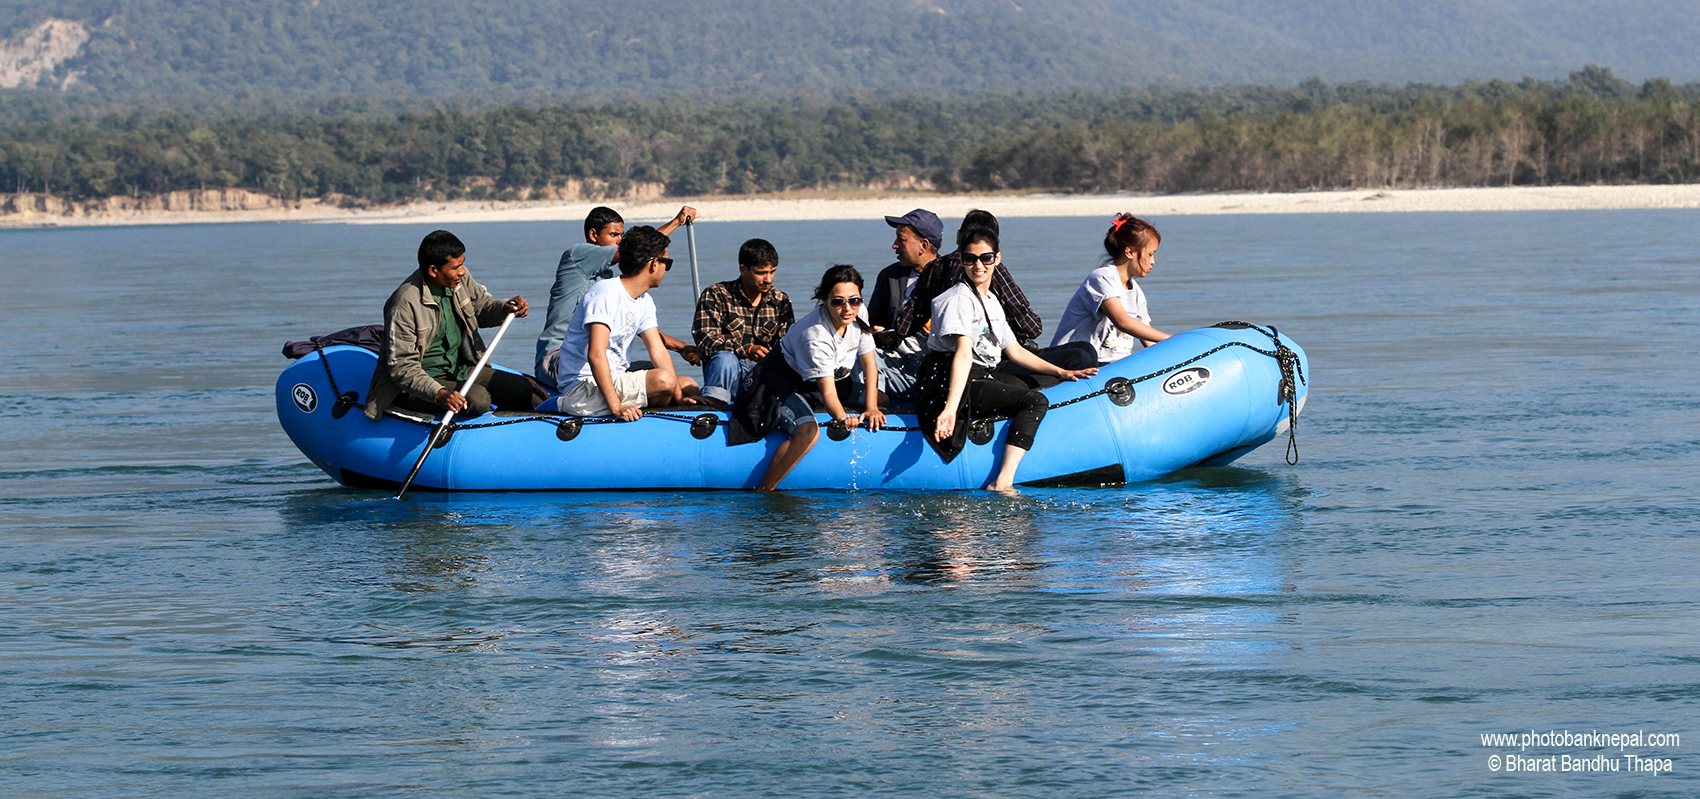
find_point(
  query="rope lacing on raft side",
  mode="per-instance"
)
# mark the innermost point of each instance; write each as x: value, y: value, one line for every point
x: 326, y: 362
x: 1292, y: 374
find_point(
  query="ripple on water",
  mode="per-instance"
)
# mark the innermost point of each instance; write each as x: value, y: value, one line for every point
x: 1490, y: 529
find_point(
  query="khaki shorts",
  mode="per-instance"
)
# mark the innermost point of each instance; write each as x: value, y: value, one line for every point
x: 585, y: 398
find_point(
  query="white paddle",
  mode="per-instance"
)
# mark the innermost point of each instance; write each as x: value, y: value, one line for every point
x: 443, y: 424
x: 691, y: 239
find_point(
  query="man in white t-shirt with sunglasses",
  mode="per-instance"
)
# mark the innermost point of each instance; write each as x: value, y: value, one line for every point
x: 595, y: 353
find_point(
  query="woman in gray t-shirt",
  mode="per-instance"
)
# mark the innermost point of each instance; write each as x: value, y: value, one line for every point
x: 1108, y: 311
x: 970, y: 337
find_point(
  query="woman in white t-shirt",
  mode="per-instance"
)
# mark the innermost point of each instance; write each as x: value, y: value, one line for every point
x: 811, y: 365
x: 1108, y: 310
x: 970, y: 337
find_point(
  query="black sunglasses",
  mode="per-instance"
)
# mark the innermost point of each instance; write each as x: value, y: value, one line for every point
x: 667, y: 262
x: 985, y: 258
x: 840, y: 302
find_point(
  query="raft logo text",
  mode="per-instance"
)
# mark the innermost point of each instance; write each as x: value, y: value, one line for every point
x: 305, y: 398
x: 1593, y: 739
x: 1186, y: 381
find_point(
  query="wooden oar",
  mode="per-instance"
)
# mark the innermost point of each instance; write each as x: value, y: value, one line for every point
x: 443, y: 424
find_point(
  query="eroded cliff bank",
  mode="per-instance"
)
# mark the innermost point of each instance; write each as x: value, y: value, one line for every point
x: 34, y: 209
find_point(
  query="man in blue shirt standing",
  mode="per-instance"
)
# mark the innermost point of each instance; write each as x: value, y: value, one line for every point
x: 580, y: 267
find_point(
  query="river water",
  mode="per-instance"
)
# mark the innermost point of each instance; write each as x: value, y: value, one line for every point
x: 1492, y: 529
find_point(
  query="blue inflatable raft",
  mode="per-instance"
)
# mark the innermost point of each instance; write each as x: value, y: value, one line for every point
x: 1204, y: 397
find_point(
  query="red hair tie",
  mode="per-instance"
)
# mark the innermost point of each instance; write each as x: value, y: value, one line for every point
x: 1116, y: 224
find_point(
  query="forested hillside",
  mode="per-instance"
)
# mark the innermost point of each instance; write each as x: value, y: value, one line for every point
x: 127, y: 54
x: 1591, y: 128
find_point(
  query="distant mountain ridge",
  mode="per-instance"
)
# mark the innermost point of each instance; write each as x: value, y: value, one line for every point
x: 551, y: 49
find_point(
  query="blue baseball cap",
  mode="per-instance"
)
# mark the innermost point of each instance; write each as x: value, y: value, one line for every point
x: 925, y: 222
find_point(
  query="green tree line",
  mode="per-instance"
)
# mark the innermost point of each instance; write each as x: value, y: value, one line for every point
x: 1592, y: 128
x: 1595, y: 129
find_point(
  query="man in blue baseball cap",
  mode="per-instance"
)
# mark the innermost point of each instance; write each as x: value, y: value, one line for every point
x: 919, y: 234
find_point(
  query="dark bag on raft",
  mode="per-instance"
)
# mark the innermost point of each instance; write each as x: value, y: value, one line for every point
x: 757, y: 410
x: 368, y: 336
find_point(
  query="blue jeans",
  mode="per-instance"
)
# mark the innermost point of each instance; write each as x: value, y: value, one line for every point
x: 794, y: 412
x: 723, y: 376
x: 897, y: 373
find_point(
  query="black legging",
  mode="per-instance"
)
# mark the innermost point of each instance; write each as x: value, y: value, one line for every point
x: 1005, y: 395
x: 1074, y: 355
x: 988, y: 394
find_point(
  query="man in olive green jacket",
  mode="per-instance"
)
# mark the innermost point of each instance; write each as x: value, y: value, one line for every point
x: 422, y: 360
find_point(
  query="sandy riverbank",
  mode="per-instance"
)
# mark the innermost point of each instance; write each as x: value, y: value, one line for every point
x: 869, y: 205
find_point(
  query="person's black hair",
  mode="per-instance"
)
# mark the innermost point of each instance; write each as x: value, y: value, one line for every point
x: 600, y: 217
x: 979, y: 235
x: 836, y: 274
x: 639, y: 246
x: 973, y: 219
x: 438, y: 247
x: 757, y: 252
x: 1129, y: 232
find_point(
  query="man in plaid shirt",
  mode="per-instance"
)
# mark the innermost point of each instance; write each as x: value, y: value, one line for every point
x: 739, y: 321
x: 947, y: 271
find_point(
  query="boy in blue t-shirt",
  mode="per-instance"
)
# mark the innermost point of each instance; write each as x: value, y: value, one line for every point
x: 580, y: 267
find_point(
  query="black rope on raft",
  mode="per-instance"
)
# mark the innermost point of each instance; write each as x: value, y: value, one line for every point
x: 343, y: 401
x: 566, y: 427
x: 1292, y: 375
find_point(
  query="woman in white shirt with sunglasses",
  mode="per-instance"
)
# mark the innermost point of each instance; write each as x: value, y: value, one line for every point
x: 957, y: 381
